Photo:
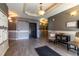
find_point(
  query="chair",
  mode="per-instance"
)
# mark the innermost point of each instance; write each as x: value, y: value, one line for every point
x: 51, y: 36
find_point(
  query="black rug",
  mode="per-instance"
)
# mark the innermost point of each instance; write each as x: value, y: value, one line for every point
x: 46, y: 51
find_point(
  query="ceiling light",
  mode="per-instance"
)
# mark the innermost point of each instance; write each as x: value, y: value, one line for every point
x: 43, y: 21
x: 74, y: 13
x: 41, y: 12
x: 12, y: 14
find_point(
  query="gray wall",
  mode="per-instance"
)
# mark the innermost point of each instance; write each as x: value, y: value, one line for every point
x: 61, y: 19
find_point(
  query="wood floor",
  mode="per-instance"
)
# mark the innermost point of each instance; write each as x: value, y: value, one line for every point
x: 26, y: 48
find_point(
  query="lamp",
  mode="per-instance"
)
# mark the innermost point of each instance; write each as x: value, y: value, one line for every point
x: 77, y: 37
x: 52, y: 34
x: 77, y: 34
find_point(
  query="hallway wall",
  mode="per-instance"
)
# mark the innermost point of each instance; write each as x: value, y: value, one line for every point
x: 3, y: 32
x: 22, y: 29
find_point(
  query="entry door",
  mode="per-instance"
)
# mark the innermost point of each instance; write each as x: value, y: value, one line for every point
x: 33, y: 30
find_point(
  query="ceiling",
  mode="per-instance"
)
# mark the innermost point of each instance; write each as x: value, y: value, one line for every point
x: 50, y: 8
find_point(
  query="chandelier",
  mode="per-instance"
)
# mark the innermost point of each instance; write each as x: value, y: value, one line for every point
x: 41, y: 12
x: 43, y: 21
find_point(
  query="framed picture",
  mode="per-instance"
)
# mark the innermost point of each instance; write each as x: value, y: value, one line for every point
x: 72, y: 24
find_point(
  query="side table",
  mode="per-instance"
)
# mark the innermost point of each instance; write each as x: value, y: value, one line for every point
x: 75, y: 44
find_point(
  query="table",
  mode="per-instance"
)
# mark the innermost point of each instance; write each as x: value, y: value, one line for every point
x: 75, y: 44
x: 71, y: 43
x: 62, y: 38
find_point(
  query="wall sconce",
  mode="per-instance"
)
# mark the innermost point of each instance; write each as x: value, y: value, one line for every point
x: 74, y: 13
x: 53, y: 19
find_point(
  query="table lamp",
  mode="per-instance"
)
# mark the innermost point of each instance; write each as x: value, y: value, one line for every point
x: 77, y: 37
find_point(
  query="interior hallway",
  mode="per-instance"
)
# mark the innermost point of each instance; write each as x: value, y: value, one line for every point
x: 26, y: 48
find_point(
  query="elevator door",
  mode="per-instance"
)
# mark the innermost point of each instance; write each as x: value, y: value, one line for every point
x: 33, y: 30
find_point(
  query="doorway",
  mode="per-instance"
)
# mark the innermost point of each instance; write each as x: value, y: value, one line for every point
x: 44, y: 28
x: 33, y: 30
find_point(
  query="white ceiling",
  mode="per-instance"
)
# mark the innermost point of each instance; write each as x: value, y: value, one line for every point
x: 18, y: 8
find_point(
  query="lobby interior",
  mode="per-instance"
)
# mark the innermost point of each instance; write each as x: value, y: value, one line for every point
x: 39, y: 29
